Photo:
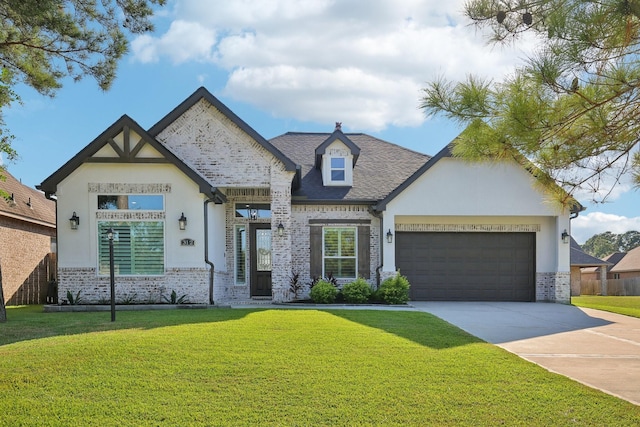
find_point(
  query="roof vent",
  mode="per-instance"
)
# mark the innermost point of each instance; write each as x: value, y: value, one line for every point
x: 11, y: 200
x: 29, y: 202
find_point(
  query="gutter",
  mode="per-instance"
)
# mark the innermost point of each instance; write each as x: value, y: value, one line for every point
x: 206, y: 249
x: 380, y: 244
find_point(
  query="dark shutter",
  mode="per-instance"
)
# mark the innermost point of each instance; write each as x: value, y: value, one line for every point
x: 315, y: 246
x: 364, y: 252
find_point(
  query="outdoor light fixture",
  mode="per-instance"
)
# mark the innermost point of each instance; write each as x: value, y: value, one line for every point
x: 565, y: 236
x: 74, y: 221
x: 389, y: 236
x: 182, y: 222
x: 280, y: 229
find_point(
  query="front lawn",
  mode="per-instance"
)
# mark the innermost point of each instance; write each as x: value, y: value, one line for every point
x: 276, y: 367
x: 629, y: 306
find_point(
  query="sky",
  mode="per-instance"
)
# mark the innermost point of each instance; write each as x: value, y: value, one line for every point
x: 289, y: 65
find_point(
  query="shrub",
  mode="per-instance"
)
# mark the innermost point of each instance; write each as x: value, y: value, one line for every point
x: 324, y: 292
x: 74, y: 300
x: 356, y: 292
x: 394, y: 290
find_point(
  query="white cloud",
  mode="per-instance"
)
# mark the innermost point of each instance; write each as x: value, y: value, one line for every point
x: 362, y: 63
x: 587, y: 225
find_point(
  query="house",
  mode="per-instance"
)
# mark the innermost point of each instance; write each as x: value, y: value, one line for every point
x: 581, y: 261
x: 598, y: 273
x: 203, y: 205
x: 27, y: 234
x: 628, y: 267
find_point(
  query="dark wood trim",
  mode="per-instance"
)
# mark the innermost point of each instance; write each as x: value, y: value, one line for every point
x: 339, y: 221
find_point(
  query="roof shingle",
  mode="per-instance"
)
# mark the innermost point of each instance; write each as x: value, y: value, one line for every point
x: 381, y: 167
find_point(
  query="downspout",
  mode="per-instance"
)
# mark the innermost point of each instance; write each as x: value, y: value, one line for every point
x: 206, y: 249
x: 380, y: 245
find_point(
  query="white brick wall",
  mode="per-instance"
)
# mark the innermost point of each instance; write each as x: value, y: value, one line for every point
x: 192, y: 282
x: 553, y: 287
x: 300, y: 253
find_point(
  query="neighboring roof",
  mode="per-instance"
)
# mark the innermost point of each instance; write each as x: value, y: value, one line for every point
x: 126, y: 124
x: 203, y: 93
x: 629, y: 262
x: 447, y: 152
x: 336, y: 135
x: 611, y: 260
x: 27, y: 204
x: 382, y: 166
x: 578, y: 258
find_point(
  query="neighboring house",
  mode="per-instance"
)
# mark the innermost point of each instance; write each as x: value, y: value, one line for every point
x: 202, y: 204
x: 580, y: 261
x: 598, y: 273
x: 628, y: 267
x: 27, y: 233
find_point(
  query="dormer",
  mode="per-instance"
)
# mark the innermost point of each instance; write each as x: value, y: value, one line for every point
x: 336, y: 158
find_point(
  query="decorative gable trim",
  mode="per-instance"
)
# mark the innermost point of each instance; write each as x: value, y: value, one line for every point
x: 203, y: 93
x: 131, y: 151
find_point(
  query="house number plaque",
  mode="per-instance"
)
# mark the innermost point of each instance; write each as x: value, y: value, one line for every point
x: 187, y: 242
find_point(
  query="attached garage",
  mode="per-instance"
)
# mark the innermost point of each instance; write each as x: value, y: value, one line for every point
x: 468, y: 266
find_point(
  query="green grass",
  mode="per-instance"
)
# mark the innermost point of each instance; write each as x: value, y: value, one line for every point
x: 629, y: 306
x: 276, y: 367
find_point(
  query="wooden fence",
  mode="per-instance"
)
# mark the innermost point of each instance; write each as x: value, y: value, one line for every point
x: 618, y: 287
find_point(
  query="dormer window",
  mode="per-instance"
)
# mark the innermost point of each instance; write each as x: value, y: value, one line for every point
x: 336, y: 157
x: 338, y: 169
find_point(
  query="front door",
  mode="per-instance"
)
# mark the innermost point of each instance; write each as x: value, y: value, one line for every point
x: 260, y: 253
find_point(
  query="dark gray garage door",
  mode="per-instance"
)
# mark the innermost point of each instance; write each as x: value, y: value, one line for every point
x: 468, y: 266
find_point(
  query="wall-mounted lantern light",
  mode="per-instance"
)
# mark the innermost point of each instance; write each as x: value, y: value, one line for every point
x: 280, y: 229
x: 74, y: 221
x: 565, y: 236
x: 182, y: 222
x: 389, y: 236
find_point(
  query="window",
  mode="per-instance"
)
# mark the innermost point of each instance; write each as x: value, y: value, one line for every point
x: 241, y: 255
x: 338, y: 169
x: 253, y: 211
x: 141, y: 202
x: 339, y: 252
x: 138, y: 248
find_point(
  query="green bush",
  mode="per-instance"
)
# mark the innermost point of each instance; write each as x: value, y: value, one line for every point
x: 394, y: 290
x: 323, y: 292
x: 356, y: 292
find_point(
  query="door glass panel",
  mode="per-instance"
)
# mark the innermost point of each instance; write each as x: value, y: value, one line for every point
x: 263, y: 250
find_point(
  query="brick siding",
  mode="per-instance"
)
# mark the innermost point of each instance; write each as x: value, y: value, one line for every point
x: 25, y: 261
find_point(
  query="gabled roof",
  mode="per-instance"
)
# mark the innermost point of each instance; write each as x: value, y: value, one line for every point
x: 629, y: 262
x: 203, y: 93
x: 336, y: 135
x: 127, y: 154
x: 24, y: 203
x: 382, y: 166
x: 446, y: 152
x: 578, y: 258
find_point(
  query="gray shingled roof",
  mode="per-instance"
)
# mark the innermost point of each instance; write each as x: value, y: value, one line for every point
x: 381, y: 167
x: 28, y: 204
x: 581, y: 259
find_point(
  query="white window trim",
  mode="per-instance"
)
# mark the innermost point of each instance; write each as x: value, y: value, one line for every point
x: 348, y: 171
x: 355, y: 230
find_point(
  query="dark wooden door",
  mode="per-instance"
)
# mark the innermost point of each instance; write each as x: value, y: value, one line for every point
x: 260, y: 253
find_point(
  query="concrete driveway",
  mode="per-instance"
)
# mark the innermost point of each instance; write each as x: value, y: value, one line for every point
x: 596, y: 348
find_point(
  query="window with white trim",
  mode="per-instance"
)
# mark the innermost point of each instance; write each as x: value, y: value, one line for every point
x: 240, y: 239
x: 339, y: 252
x: 138, y: 248
x: 338, y: 169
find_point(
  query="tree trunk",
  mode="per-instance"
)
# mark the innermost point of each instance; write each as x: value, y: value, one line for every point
x: 3, y: 309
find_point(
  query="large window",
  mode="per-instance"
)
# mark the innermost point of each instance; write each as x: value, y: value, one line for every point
x: 138, y: 247
x: 339, y: 252
x: 139, y: 202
